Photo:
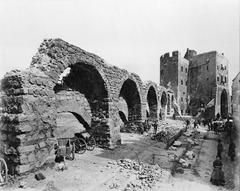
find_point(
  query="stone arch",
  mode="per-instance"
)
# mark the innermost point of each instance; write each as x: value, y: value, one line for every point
x: 163, y: 104
x: 131, y: 94
x: 74, y: 106
x: 164, y: 99
x: 152, y: 103
x: 224, y: 104
x: 69, y: 123
x: 86, y: 80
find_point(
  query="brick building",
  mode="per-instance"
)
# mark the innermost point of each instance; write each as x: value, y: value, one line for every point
x: 199, y: 81
x: 174, y: 74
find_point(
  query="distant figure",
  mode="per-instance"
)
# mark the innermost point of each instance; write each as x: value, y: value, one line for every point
x: 210, y: 125
x: 174, y: 116
x: 231, y: 150
x: 187, y: 124
x: 219, y: 149
x: 217, y: 177
x: 218, y: 116
x: 59, y: 160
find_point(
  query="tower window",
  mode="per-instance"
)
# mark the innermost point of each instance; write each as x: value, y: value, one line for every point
x: 207, y: 67
x: 186, y: 70
x: 181, y: 82
x: 182, y: 68
x: 218, y: 78
x: 181, y: 99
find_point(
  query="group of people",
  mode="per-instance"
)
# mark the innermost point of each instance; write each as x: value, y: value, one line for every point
x: 217, y: 177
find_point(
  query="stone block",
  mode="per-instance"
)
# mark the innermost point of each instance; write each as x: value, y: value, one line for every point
x: 31, y: 157
x: 23, y: 159
x: 25, y: 128
x: 25, y: 149
x: 23, y: 168
x: 42, y: 144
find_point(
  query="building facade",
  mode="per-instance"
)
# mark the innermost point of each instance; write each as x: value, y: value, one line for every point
x: 174, y: 74
x: 199, y: 82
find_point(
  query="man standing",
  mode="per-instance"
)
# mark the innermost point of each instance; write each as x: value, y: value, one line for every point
x: 231, y: 150
x: 219, y: 149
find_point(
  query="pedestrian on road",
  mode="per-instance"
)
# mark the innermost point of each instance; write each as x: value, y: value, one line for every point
x: 217, y: 177
x: 231, y: 150
x: 219, y: 149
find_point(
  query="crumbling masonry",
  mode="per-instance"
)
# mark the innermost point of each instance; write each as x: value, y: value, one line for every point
x: 101, y: 96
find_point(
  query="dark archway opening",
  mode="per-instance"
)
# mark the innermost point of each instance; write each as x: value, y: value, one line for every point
x: 224, y: 104
x: 152, y: 103
x: 168, y: 104
x: 163, y: 105
x: 88, y: 82
x: 130, y: 94
x: 147, y: 114
x: 122, y: 116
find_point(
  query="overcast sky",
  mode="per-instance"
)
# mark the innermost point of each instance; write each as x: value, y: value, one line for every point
x: 130, y: 34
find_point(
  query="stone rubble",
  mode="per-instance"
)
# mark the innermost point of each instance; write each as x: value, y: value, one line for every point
x: 146, y: 176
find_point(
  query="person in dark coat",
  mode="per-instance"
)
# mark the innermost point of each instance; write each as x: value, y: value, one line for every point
x: 217, y: 177
x: 219, y: 149
x: 231, y: 150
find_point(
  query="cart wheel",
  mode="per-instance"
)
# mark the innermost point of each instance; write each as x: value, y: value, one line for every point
x: 91, y: 144
x: 3, y: 172
x: 80, y: 146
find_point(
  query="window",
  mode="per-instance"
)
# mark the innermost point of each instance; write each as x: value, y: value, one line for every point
x: 181, y: 82
x: 225, y: 79
x: 181, y: 68
x: 181, y: 99
x: 161, y: 73
x: 186, y: 83
x: 218, y: 78
x: 221, y: 79
x: 207, y: 79
x: 183, y: 93
x: 207, y: 60
x: 207, y: 67
x: 186, y: 70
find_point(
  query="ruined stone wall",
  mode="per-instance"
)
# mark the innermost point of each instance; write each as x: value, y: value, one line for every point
x: 151, y: 99
x: 33, y: 98
x: 28, y: 119
x: 202, y: 80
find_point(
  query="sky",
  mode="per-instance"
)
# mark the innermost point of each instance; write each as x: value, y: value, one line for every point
x: 131, y: 34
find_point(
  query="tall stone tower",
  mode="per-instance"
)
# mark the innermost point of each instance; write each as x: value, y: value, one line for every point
x: 208, y: 83
x: 174, y: 74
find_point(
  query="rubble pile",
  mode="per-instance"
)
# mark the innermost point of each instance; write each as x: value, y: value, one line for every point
x: 167, y: 129
x: 146, y: 176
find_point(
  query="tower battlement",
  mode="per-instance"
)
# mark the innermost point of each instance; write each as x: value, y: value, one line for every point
x: 169, y: 56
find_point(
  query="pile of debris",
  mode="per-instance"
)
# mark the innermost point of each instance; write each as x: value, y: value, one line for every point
x: 146, y: 176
